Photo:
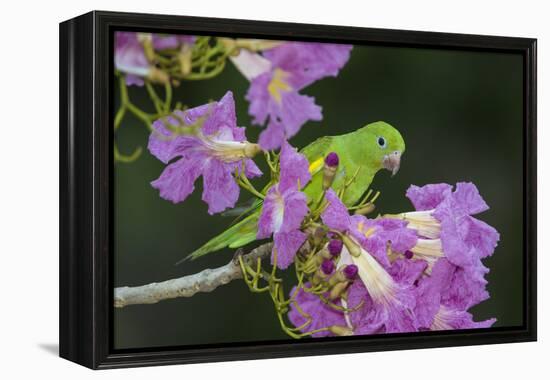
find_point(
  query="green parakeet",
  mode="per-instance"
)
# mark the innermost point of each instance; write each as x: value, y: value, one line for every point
x: 361, y: 153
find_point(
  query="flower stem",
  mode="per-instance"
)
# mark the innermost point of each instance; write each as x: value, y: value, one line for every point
x: 119, y: 157
x: 244, y: 182
x: 119, y: 116
x: 159, y: 105
x: 168, y: 97
x: 366, y: 200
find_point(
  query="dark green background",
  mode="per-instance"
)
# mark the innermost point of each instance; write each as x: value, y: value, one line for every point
x: 460, y: 113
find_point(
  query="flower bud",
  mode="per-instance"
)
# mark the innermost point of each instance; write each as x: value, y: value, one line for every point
x: 337, y: 278
x: 335, y: 247
x: 256, y: 44
x: 327, y: 267
x: 351, y: 271
x: 146, y: 40
x: 340, y: 330
x: 228, y: 43
x: 184, y: 58
x: 157, y: 76
x: 321, y: 256
x: 330, y: 169
x: 366, y: 209
x: 231, y: 45
x: 353, y: 248
x: 338, y: 290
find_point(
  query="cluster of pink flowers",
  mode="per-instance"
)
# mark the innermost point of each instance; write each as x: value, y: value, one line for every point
x: 416, y: 271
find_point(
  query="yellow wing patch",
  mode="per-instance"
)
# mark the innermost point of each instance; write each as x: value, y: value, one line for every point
x: 316, y: 165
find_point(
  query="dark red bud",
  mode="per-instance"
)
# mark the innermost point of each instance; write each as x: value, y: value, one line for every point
x: 332, y: 159
x: 350, y: 271
x: 335, y: 247
x: 327, y: 267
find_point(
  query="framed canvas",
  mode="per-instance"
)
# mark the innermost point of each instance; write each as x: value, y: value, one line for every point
x: 236, y: 189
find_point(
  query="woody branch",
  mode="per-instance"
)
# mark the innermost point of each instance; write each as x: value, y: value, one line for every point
x: 187, y: 286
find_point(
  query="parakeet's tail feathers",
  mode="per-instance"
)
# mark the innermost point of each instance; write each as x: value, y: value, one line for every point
x: 247, y: 212
x: 235, y: 236
x: 241, y: 208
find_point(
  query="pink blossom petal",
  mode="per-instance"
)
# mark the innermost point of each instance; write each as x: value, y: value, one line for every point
x: 336, y: 214
x: 322, y: 316
x: 286, y: 246
x: 428, y: 293
x: 428, y: 197
x: 386, y: 230
x: 272, y: 213
x: 272, y: 137
x: 467, y: 287
x: 177, y: 180
x: 251, y: 170
x: 259, y: 98
x: 161, y: 42
x: 129, y: 54
x: 448, y: 319
x: 468, y: 198
x: 250, y: 65
x: 481, y: 236
x: 294, y: 168
x: 220, y: 190
x: 295, y: 209
x: 407, y: 271
x: 166, y: 145
x: 134, y: 80
x: 375, y: 317
x: 309, y: 61
x: 221, y: 114
x: 293, y: 112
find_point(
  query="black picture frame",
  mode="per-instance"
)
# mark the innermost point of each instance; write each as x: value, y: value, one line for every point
x: 86, y: 156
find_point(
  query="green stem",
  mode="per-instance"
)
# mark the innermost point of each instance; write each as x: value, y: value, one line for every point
x: 364, y: 202
x: 244, y: 182
x: 168, y: 97
x: 206, y: 75
x: 119, y: 116
x: 144, y: 117
x: 123, y: 90
x: 159, y: 106
x: 119, y: 157
x: 272, y: 166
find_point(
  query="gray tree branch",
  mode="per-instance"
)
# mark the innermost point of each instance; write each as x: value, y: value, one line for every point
x: 187, y: 286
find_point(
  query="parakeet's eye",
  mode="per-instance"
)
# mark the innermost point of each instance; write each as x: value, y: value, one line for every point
x: 381, y: 142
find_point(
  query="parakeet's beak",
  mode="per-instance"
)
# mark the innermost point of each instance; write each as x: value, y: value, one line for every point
x: 392, y: 162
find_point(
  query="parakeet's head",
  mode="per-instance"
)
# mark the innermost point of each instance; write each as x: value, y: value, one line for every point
x: 386, y: 144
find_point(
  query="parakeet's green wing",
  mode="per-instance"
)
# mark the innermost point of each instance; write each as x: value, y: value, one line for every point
x: 238, y: 235
x: 317, y: 149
